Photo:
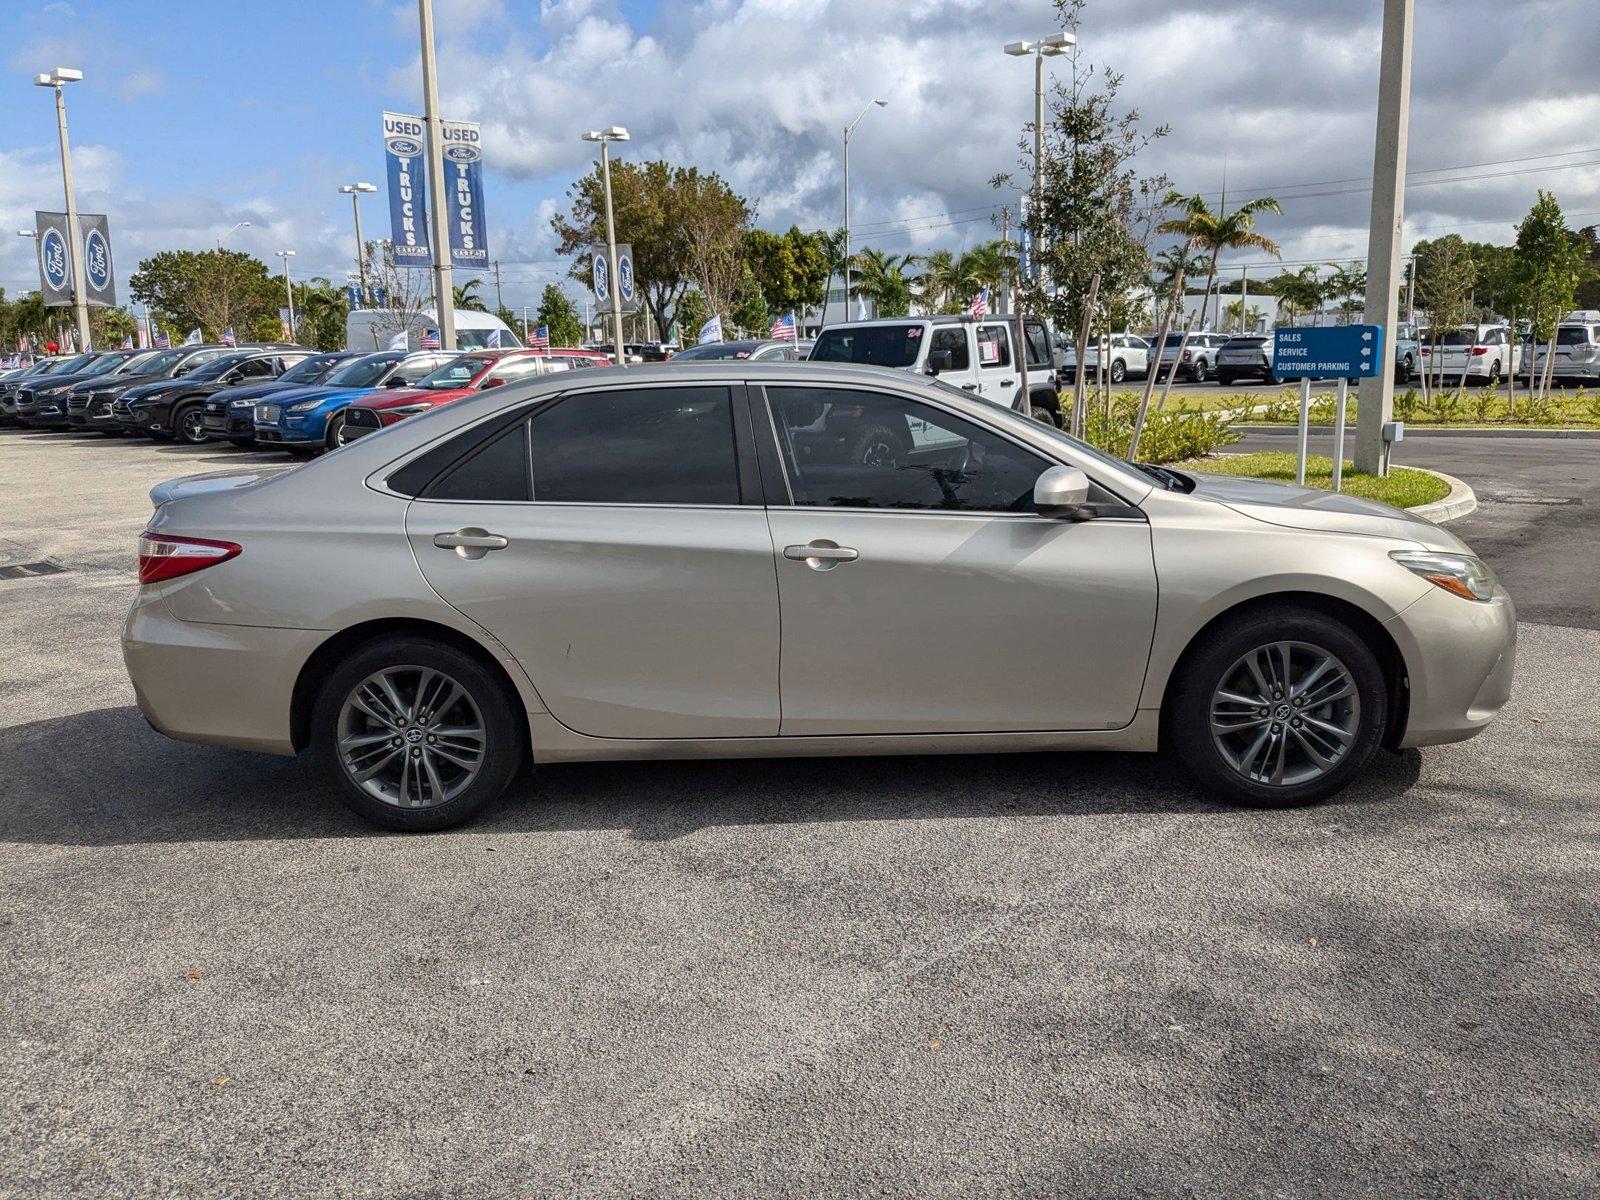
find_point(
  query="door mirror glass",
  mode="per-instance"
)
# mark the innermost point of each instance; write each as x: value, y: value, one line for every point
x: 940, y: 360
x: 1062, y: 492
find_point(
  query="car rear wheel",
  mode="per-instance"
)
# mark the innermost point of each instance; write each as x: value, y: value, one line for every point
x: 1281, y: 708
x: 1226, y: 378
x: 416, y: 735
x: 1199, y: 372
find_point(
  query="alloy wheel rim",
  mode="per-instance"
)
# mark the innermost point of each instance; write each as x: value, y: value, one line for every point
x: 411, y: 737
x: 194, y: 424
x: 1285, y: 714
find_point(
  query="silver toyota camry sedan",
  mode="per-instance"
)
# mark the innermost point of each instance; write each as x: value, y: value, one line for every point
x: 790, y: 559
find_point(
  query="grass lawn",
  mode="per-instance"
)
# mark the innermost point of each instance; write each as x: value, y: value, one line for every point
x: 1402, y: 487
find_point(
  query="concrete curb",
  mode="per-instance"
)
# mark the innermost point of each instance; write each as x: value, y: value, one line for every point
x: 1461, y: 500
x: 1416, y: 431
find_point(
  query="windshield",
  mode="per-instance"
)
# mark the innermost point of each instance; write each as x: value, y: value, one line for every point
x: 73, y: 366
x: 313, y: 369
x: 457, y: 373
x: 105, y: 365
x: 139, y: 363
x: 478, y: 339
x: 364, y: 372
x: 879, y: 345
x: 218, y: 367
x: 1130, y: 475
x: 718, y: 350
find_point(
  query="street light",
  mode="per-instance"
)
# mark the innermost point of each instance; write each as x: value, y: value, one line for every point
x: 55, y: 79
x: 613, y: 133
x: 288, y: 288
x: 848, y: 130
x: 231, y: 228
x: 355, y: 191
x: 1050, y: 47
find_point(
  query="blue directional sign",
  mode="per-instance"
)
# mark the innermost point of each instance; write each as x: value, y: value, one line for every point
x: 1334, y: 352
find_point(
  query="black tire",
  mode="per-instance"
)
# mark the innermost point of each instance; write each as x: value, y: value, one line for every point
x: 1494, y: 375
x: 1198, y: 371
x: 1226, y: 378
x: 1188, y: 713
x: 1046, y: 416
x: 188, y: 424
x: 505, y: 726
x: 1403, y: 371
x: 330, y: 437
x: 1119, y: 370
x: 876, y: 446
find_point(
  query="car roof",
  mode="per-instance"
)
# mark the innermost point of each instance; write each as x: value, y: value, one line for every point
x: 935, y: 319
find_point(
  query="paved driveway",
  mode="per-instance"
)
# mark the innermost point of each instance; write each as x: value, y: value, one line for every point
x: 1063, y: 975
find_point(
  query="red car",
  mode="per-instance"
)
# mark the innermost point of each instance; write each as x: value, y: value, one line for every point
x: 461, y: 376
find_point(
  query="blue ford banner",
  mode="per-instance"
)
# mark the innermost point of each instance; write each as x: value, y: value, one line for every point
x: 404, y: 149
x: 463, y: 185
x: 55, y: 268
x: 99, y: 286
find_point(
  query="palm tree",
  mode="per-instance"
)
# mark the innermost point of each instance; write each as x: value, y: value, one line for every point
x: 1218, y: 232
x: 1164, y: 268
x: 938, y: 280
x: 882, y: 278
x: 984, y: 266
x: 1299, y: 291
x: 466, y: 296
x: 1347, y: 286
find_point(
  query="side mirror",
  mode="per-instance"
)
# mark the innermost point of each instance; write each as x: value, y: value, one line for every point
x: 939, y: 360
x: 493, y: 381
x: 1062, y: 492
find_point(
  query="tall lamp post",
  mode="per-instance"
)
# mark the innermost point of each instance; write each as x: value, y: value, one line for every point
x: 605, y: 137
x: 355, y: 191
x: 848, y: 130
x: 231, y: 228
x: 288, y: 288
x: 1050, y: 47
x: 56, y: 79
x: 443, y: 292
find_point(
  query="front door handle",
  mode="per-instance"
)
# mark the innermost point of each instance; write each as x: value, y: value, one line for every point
x: 470, y: 542
x: 821, y: 555
x: 1008, y: 383
x: 969, y: 387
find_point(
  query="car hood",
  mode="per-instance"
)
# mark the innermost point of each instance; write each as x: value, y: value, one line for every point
x: 215, y: 481
x: 396, y: 397
x: 1319, y: 511
x: 158, y: 387
x: 315, y: 391
x: 253, y: 391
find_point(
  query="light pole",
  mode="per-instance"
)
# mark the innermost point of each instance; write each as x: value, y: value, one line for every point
x: 288, y: 288
x: 355, y: 191
x: 1050, y: 47
x: 605, y: 137
x: 1375, y: 407
x: 848, y: 130
x: 231, y: 228
x: 55, y: 80
x: 443, y: 292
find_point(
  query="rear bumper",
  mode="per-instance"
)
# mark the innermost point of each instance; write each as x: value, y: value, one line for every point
x: 223, y: 685
x: 1460, y: 656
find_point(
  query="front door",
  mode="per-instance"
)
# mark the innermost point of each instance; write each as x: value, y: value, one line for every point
x: 604, y: 542
x: 919, y: 592
x: 954, y: 341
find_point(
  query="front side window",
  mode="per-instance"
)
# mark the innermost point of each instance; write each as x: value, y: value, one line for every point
x: 654, y: 445
x: 955, y: 341
x: 457, y: 373
x: 847, y: 448
x: 364, y: 372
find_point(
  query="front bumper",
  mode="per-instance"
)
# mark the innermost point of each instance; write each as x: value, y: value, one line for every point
x: 236, y: 425
x: 1460, y: 656
x: 223, y: 685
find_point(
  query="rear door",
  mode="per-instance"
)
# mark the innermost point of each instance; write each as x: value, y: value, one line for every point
x: 997, y: 368
x: 631, y: 569
x: 956, y: 341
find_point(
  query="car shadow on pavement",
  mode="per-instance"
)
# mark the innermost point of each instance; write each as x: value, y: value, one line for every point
x: 104, y: 777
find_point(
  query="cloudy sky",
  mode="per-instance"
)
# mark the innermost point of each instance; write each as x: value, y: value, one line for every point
x: 197, y: 115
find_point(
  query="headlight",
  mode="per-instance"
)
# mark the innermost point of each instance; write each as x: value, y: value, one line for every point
x: 241, y: 403
x: 1459, y: 574
x: 405, y: 410
x: 303, y: 406
x: 55, y: 391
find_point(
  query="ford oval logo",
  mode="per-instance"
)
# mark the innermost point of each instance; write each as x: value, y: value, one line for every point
x: 53, y: 259
x: 461, y: 154
x: 97, y: 260
x: 405, y: 147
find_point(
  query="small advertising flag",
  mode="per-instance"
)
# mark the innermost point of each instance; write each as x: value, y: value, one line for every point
x: 783, y: 329
x: 227, y: 337
x: 540, y: 339
x: 399, y: 341
x: 711, y: 331
x: 492, y: 340
x: 430, y: 339
x: 194, y: 338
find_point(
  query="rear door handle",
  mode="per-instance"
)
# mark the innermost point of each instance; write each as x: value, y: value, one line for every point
x: 969, y: 387
x: 1008, y: 383
x: 821, y: 555
x: 470, y: 542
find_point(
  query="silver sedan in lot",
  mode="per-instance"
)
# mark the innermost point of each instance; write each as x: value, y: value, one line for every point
x: 708, y: 560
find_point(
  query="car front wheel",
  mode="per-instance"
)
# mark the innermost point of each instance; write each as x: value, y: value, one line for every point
x: 1281, y: 708
x: 416, y: 735
x: 189, y: 423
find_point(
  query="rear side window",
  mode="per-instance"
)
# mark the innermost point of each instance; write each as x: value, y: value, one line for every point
x: 497, y: 471
x: 664, y: 445
x: 994, y: 346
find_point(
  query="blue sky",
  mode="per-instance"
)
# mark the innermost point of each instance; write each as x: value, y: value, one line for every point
x: 197, y: 115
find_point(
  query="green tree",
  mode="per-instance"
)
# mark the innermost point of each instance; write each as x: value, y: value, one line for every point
x: 1215, y: 232
x: 792, y: 268
x: 324, y: 309
x: 1549, y: 266
x: 466, y: 296
x: 1299, y: 292
x: 882, y: 278
x: 693, y: 312
x: 749, y: 308
x: 937, y: 282
x: 1588, y: 292
x: 557, y: 314
x: 210, y: 289
x: 1347, y: 288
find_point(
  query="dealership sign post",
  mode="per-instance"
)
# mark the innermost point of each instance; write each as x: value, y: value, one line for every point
x: 463, y: 183
x: 408, y: 190
x: 1341, y: 352
x: 55, y: 260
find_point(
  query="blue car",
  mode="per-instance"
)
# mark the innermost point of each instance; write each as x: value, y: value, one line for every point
x: 309, y: 416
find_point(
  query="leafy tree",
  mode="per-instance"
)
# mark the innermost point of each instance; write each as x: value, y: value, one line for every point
x: 1347, y: 287
x: 1588, y: 291
x: 881, y: 277
x: 557, y: 314
x: 792, y: 268
x: 1215, y: 232
x: 324, y: 309
x: 937, y: 284
x: 1550, y: 264
x: 466, y: 296
x: 108, y: 327
x: 1299, y: 292
x: 212, y: 289
x: 749, y: 308
x: 693, y: 312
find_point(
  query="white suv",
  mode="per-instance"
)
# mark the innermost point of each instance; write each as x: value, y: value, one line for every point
x: 975, y: 354
x: 1482, y: 352
x: 1577, y: 349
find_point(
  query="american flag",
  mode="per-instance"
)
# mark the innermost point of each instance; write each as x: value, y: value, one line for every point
x: 227, y: 336
x: 430, y: 339
x: 783, y: 329
x: 127, y: 343
x: 540, y: 339
x: 163, y: 342
x: 980, y: 304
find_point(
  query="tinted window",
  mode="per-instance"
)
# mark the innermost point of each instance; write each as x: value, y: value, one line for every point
x: 364, y: 372
x: 217, y: 367
x: 312, y: 369
x: 256, y: 368
x: 1572, y: 335
x: 516, y: 368
x: 716, y: 350
x: 457, y: 373
x: 994, y: 346
x: 498, y: 471
x: 667, y: 445
x: 1038, y: 345
x: 858, y: 449
x: 955, y: 341
x: 880, y: 345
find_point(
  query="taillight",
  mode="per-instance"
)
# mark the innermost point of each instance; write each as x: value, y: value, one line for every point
x: 1477, y: 350
x: 162, y: 556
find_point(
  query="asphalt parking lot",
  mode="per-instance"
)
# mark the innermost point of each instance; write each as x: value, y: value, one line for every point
x: 1064, y: 975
